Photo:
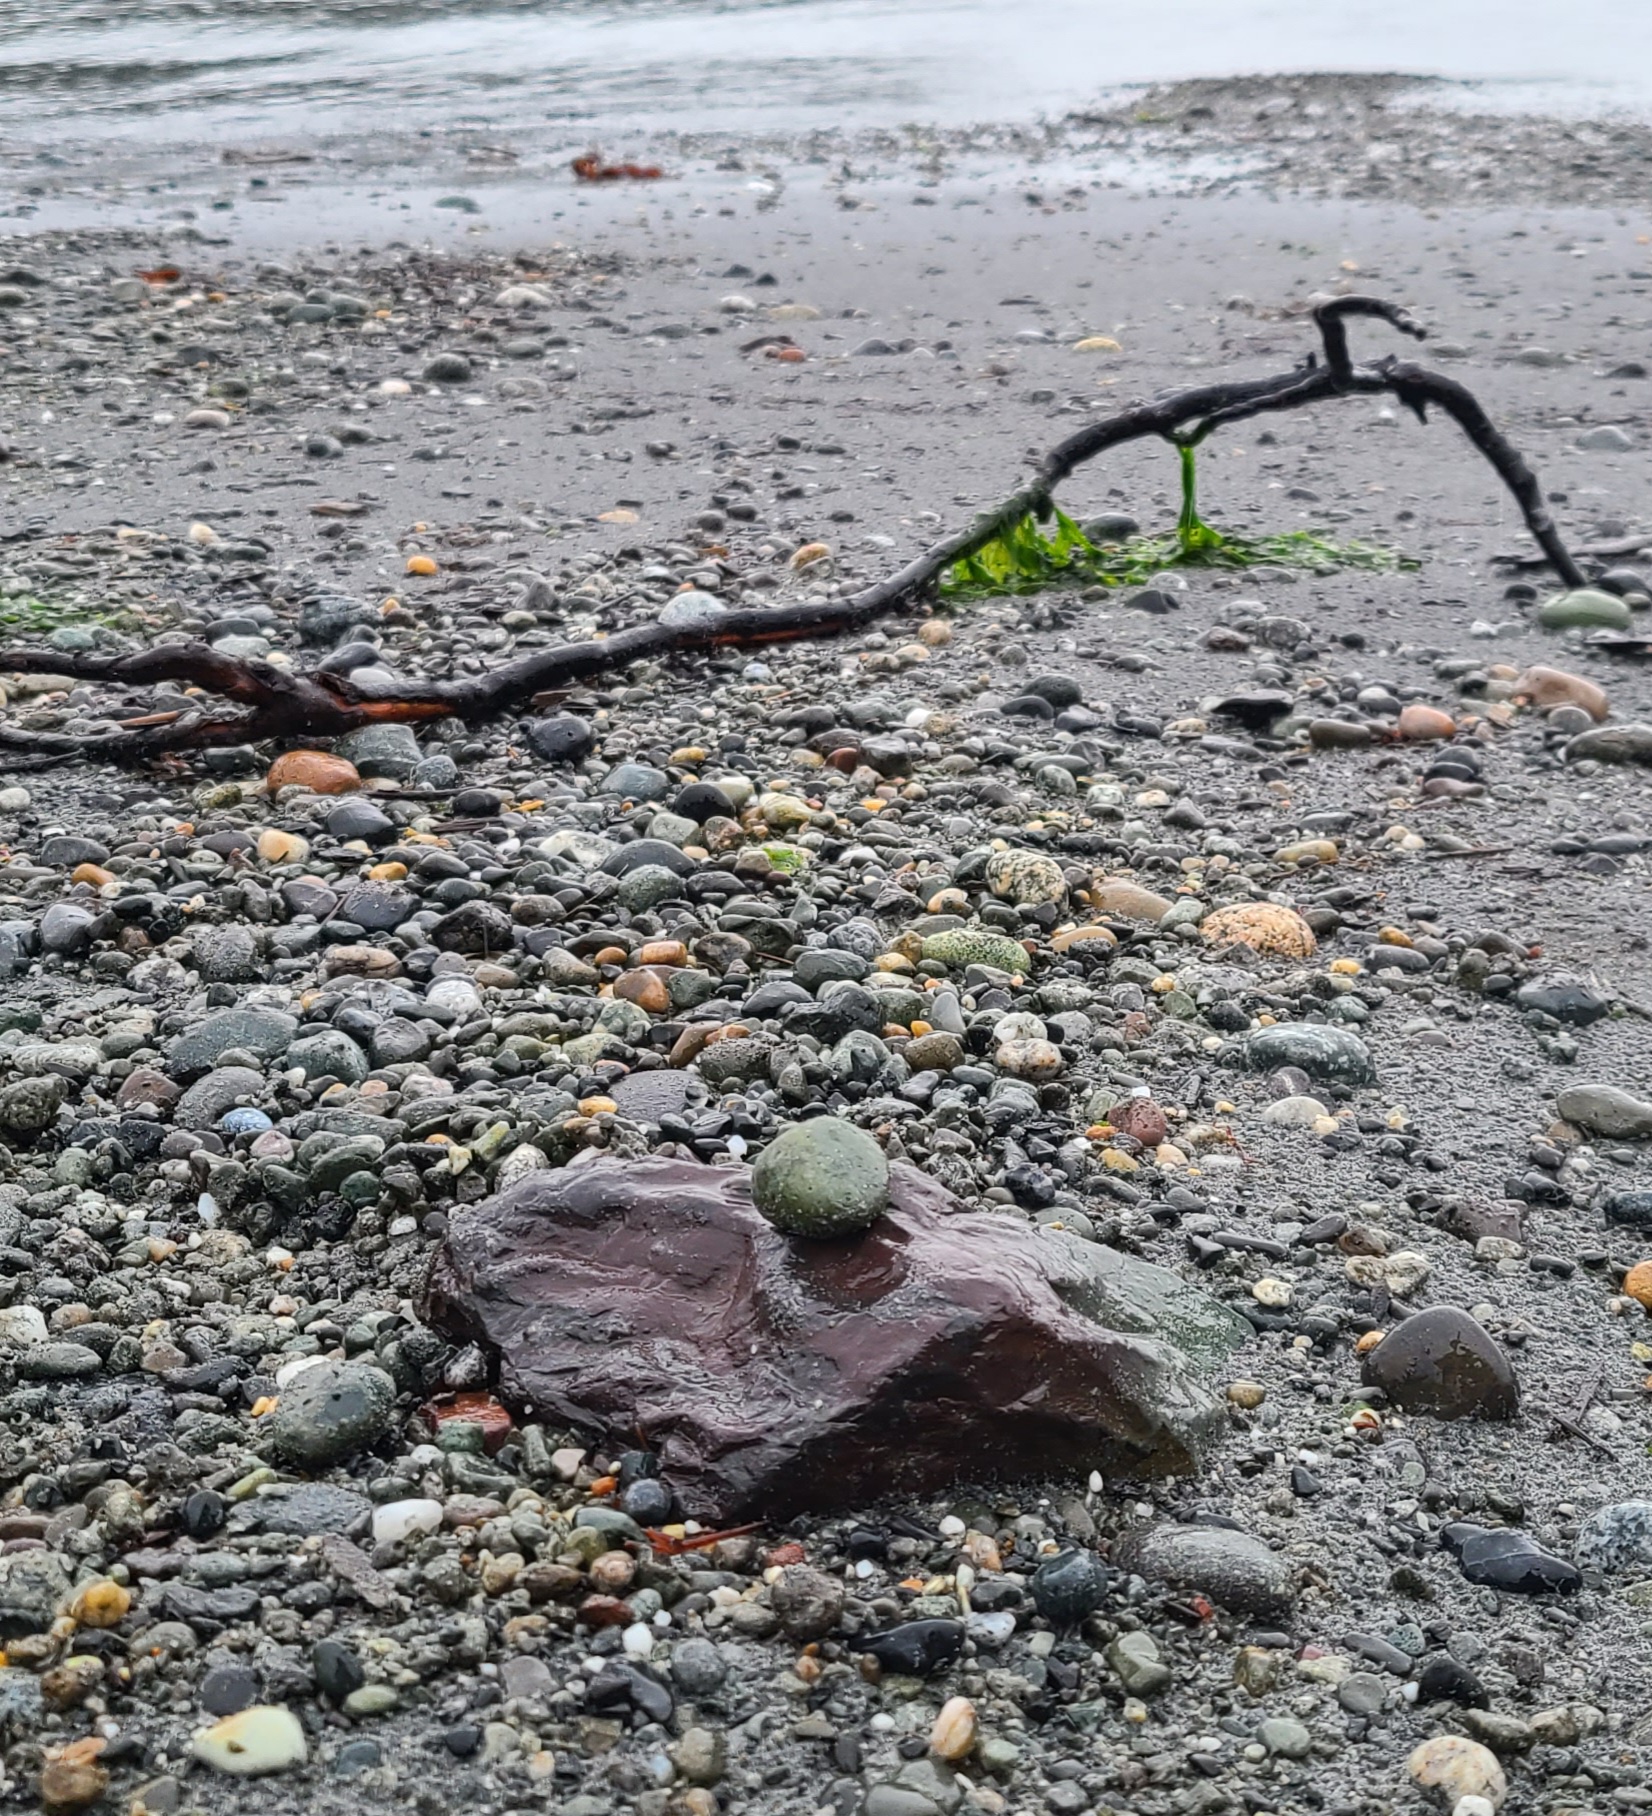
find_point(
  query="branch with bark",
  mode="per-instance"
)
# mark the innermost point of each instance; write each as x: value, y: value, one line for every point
x: 257, y: 701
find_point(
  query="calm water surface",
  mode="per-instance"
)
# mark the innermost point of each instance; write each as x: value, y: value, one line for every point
x: 73, y: 71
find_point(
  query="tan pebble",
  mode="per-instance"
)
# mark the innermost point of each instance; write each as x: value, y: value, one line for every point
x: 1460, y: 1768
x: 1263, y: 926
x: 1127, y: 901
x: 1545, y: 688
x: 276, y: 847
x: 72, y: 1784
x: 1247, y: 1395
x: 1424, y: 724
x: 1272, y: 1292
x: 613, y: 1571
x: 936, y: 632
x: 809, y: 554
x: 1308, y: 851
x: 954, y: 1733
x: 93, y: 874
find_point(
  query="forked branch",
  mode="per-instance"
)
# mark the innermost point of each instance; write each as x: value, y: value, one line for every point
x: 266, y: 702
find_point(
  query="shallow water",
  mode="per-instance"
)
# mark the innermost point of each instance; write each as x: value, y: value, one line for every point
x: 245, y: 71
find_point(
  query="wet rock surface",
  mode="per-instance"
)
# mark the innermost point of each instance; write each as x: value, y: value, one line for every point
x: 1443, y: 1363
x: 773, y: 1375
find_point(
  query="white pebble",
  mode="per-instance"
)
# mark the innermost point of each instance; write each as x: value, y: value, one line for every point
x: 397, y: 1521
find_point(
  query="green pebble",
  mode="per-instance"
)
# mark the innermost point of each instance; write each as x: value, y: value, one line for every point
x: 1584, y: 606
x: 821, y: 1178
x: 961, y: 946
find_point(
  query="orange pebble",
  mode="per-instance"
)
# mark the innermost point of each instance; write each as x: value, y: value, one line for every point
x: 1637, y: 1283
x: 1425, y: 724
x: 317, y: 770
x: 420, y: 564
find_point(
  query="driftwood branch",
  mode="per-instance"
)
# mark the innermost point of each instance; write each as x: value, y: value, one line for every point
x: 267, y: 702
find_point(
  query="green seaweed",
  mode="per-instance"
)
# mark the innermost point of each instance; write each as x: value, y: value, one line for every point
x: 27, y: 611
x: 1027, y: 558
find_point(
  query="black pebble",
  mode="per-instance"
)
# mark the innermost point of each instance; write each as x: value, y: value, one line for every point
x: 337, y: 1669
x: 1497, y: 1558
x: 648, y: 1501
x: 1442, y: 1679
x: 1070, y: 1586
x: 204, y: 1513
x: 228, y: 1689
x: 915, y: 1648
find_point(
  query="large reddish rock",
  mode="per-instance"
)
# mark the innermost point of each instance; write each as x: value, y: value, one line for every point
x: 648, y: 1300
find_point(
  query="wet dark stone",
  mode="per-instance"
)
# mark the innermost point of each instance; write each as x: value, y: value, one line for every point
x: 1258, y: 711
x: 315, y: 1507
x: 204, y: 1513
x: 379, y: 907
x: 1443, y: 1362
x: 186, y: 1602
x: 647, y: 1096
x: 651, y: 1295
x: 474, y: 927
x: 337, y: 1669
x: 1069, y: 1586
x: 228, y: 1689
x: 1318, y: 1049
x: 1442, y: 1679
x: 619, y: 1688
x: 1232, y: 1567
x: 648, y: 1501
x: 355, y: 818
x: 1059, y: 690
x: 1496, y: 1558
x: 563, y: 739
x: 1632, y: 1209
x: 638, y: 852
x: 702, y: 801
x: 1567, y: 999
x: 915, y: 1648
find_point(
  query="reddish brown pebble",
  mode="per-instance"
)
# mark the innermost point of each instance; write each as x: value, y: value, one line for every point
x: 317, y: 770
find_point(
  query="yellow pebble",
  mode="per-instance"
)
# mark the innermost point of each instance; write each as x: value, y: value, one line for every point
x: 100, y: 1603
x: 420, y: 564
x: 1345, y: 967
x: 598, y: 1106
x: 387, y: 873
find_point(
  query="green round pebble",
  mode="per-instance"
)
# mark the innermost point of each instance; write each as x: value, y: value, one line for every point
x: 821, y: 1179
